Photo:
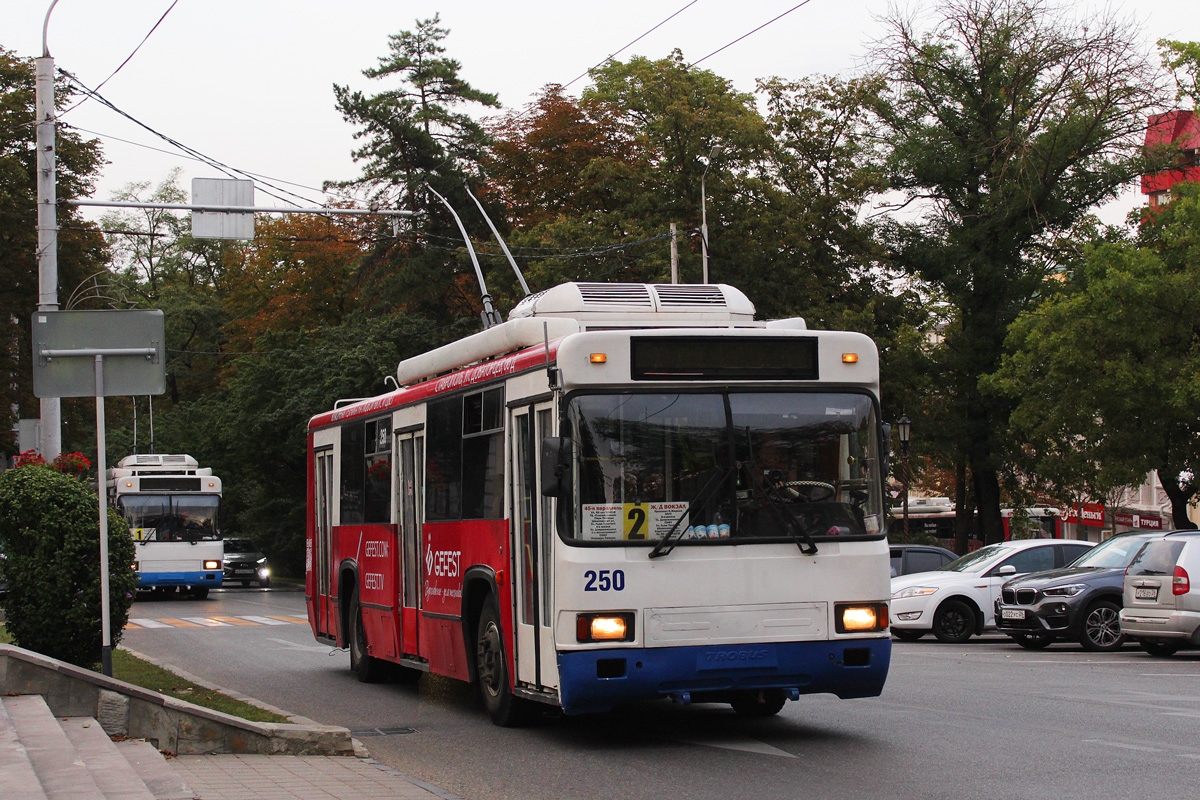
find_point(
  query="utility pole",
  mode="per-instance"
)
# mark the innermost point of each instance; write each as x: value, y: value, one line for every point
x: 674, y: 254
x: 47, y: 216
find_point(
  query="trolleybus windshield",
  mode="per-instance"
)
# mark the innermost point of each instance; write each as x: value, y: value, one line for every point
x: 724, y: 467
x: 171, y: 518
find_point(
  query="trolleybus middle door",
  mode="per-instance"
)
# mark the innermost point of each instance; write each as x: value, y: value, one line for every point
x: 409, y: 460
x: 532, y: 548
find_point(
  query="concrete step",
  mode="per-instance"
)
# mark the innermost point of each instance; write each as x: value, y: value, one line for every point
x: 18, y: 781
x: 154, y: 771
x: 59, y: 769
x: 108, y: 766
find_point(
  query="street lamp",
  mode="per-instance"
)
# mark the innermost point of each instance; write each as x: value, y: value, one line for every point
x: 716, y: 151
x: 905, y: 426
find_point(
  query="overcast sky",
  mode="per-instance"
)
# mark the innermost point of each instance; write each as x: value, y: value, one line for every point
x: 248, y: 82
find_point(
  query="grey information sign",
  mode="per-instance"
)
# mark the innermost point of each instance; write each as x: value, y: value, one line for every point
x: 130, y: 343
x: 222, y: 192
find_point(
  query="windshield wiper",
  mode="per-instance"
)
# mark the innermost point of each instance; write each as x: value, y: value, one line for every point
x: 665, y: 545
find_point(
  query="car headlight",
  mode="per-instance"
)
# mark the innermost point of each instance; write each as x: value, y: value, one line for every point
x: 914, y: 591
x: 262, y: 561
x: 1064, y: 591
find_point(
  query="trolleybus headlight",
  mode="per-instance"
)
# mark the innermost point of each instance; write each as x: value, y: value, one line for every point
x: 212, y: 564
x: 605, y: 627
x: 860, y: 618
x: 135, y: 566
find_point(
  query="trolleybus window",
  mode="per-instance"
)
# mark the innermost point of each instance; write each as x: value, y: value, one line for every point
x: 465, y: 467
x: 367, y: 472
x: 741, y: 466
x: 171, y: 518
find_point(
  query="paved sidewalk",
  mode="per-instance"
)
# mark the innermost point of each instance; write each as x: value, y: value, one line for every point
x: 254, y: 777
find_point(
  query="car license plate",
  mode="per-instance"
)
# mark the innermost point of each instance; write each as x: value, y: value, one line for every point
x: 243, y: 572
x: 1145, y: 592
x: 1012, y: 613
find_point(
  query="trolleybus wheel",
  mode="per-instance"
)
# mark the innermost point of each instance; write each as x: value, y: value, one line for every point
x: 907, y: 635
x: 200, y: 592
x: 491, y: 668
x: 365, y: 668
x: 758, y: 703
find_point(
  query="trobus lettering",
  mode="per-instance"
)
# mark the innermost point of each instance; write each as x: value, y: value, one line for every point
x: 373, y: 580
x: 376, y: 549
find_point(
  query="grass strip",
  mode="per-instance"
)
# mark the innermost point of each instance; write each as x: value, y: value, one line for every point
x: 131, y: 669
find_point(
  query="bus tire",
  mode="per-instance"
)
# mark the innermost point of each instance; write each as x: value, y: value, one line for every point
x: 491, y: 670
x: 200, y: 592
x: 366, y: 668
x: 758, y: 702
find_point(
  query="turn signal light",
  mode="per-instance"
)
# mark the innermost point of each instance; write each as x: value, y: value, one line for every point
x: 212, y: 564
x: 604, y: 627
x: 860, y: 617
x: 598, y: 358
x: 849, y: 358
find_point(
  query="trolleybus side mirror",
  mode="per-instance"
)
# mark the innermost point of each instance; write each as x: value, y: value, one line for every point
x: 556, y: 466
x: 885, y: 452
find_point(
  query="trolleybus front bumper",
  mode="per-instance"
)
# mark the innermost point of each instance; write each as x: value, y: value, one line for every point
x: 155, y: 580
x: 592, y: 681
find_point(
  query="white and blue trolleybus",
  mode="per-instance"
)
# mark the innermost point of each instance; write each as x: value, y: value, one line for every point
x: 172, y: 505
x: 624, y: 492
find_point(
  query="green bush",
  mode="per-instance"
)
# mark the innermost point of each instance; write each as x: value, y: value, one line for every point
x: 50, y: 535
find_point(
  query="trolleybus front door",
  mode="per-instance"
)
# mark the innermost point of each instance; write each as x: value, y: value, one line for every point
x: 532, y: 547
x: 409, y: 460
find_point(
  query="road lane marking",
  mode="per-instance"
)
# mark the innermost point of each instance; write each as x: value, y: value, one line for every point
x: 1123, y: 746
x: 248, y: 620
x: 743, y: 744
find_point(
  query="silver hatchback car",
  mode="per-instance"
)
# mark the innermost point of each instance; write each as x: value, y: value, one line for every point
x: 1161, y: 608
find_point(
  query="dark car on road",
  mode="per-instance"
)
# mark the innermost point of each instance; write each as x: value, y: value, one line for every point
x: 245, y: 564
x: 1080, y: 602
x: 910, y: 558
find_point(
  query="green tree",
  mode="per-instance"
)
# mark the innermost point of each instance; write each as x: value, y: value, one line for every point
x: 1104, y: 374
x: 51, y: 540
x: 81, y: 250
x: 1008, y: 121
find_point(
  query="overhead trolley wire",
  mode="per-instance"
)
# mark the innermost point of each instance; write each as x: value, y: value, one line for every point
x: 128, y: 58
x: 751, y: 33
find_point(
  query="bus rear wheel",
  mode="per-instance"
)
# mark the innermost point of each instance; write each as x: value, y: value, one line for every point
x: 200, y: 592
x: 366, y: 668
x: 491, y: 671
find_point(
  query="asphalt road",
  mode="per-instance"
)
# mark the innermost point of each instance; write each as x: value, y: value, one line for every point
x: 981, y: 720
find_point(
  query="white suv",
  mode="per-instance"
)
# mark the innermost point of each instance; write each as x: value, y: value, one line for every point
x: 1161, y: 608
x: 958, y: 600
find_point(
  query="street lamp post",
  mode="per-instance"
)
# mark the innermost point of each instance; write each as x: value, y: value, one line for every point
x: 905, y: 426
x: 716, y: 151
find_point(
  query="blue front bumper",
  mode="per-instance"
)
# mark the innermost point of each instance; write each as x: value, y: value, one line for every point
x: 155, y: 580
x: 595, y: 680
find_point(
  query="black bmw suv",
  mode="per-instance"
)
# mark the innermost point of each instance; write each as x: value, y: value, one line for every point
x: 1080, y: 602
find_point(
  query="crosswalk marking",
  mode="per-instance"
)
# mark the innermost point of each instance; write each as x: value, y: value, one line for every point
x: 248, y: 620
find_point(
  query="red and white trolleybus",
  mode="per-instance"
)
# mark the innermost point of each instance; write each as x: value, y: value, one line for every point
x: 625, y: 491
